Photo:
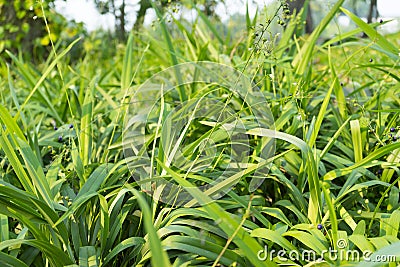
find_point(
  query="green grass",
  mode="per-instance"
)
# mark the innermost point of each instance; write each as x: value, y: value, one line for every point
x: 68, y: 196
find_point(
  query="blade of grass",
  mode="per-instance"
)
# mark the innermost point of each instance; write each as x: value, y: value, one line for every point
x: 87, y: 257
x: 172, y: 52
x: 337, y: 90
x: 356, y: 138
x: 127, y: 65
x: 7, y: 260
x: 55, y: 256
x: 3, y: 228
x: 392, y: 251
x: 346, y: 35
x: 229, y: 225
x: 315, y: 203
x: 125, y: 244
x: 210, y: 26
x: 367, y: 161
x: 46, y: 72
x: 302, y: 60
x: 15, y: 163
x: 85, y: 135
x: 372, y: 33
x: 159, y: 257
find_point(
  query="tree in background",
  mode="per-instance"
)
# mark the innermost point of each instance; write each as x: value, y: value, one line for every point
x: 144, y: 6
x: 364, y: 9
x: 19, y: 24
x: 118, y: 8
x: 297, y: 5
x: 369, y: 10
x: 22, y: 27
x: 373, y: 10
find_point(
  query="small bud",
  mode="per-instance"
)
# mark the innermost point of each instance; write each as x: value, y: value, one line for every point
x: 60, y: 138
x: 370, y: 60
x: 392, y: 129
x: 359, y: 211
x: 55, y: 128
x: 71, y: 126
x: 319, y: 226
x: 381, y: 21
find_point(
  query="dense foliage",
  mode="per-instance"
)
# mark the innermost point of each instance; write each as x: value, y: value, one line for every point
x: 68, y: 197
x: 24, y: 29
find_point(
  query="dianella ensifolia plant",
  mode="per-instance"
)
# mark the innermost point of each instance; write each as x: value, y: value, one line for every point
x: 68, y: 196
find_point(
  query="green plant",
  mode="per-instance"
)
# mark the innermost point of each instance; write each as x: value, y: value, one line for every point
x: 69, y: 198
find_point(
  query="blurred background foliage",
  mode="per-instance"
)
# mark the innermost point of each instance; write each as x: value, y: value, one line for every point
x: 22, y: 28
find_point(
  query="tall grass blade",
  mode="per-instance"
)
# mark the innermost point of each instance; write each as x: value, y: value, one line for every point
x: 387, y: 46
x: 87, y: 257
x: 303, y: 58
x: 229, y: 225
x: 46, y: 72
x: 159, y: 257
x: 357, y: 140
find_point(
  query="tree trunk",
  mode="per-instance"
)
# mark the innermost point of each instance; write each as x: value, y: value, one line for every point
x: 373, y: 11
x: 298, y: 5
x: 209, y: 8
x: 122, y: 22
x: 144, y: 5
